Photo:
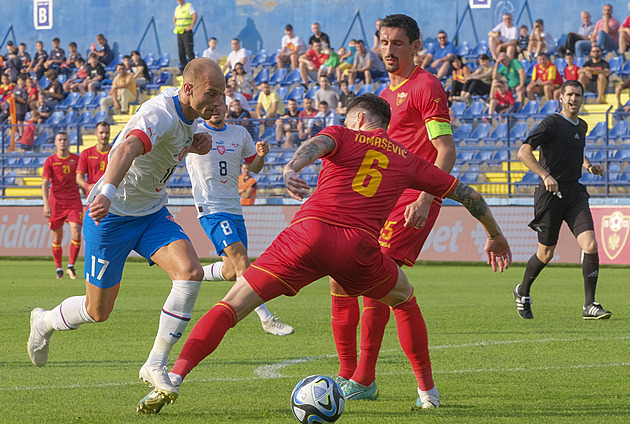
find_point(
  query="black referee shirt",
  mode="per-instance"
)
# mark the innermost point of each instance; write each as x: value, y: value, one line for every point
x: 561, y: 143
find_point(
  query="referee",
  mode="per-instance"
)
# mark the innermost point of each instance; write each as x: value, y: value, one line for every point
x: 560, y: 197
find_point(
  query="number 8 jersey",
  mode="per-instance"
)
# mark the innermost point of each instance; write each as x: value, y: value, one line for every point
x: 363, y: 177
x: 214, y: 176
x: 167, y: 135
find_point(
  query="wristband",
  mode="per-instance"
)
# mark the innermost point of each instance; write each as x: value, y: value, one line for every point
x: 109, y: 191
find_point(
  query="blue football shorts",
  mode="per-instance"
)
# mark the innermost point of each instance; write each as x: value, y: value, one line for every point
x: 224, y: 229
x: 108, y: 244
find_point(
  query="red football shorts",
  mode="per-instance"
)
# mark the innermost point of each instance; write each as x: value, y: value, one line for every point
x: 312, y: 249
x: 405, y: 243
x: 63, y: 213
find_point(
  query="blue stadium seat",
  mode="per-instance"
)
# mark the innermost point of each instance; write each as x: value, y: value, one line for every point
x: 469, y: 177
x: 293, y: 77
x: 529, y: 178
x: 278, y: 77
x: 84, y: 117
x: 479, y: 133
x: 99, y: 116
x: 560, y: 63
x: 70, y: 118
x: 462, y: 132
x: 85, y: 100
x: 8, y: 179
x: 458, y: 108
x: 473, y: 111
x: 615, y: 65
x: 548, y: 108
x: 619, y: 131
x: 501, y: 156
x: 283, y: 92
x: 579, y: 61
x: 162, y: 62
x: 96, y: 101
x: 297, y: 93
x: 161, y: 79
x: 55, y: 120
x: 112, y: 65
x: 262, y: 76
x: 380, y: 89
x: 73, y: 137
x: 479, y: 49
x: 625, y: 70
x: 598, y: 131
x: 463, y: 49
x: 499, y: 133
x: 259, y: 58
x: 597, y: 156
x: 70, y: 101
x: 311, y: 92
x: 365, y: 88
x: 530, y: 109
x: 518, y: 131
x: 149, y: 59
x: 464, y: 156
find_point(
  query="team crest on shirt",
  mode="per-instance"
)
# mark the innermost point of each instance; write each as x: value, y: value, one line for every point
x: 221, y: 147
x: 400, y: 98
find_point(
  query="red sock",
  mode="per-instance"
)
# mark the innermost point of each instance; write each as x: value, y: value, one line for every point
x: 57, y: 254
x: 373, y: 322
x: 205, y: 337
x: 75, y: 246
x: 412, y: 333
x: 345, y: 319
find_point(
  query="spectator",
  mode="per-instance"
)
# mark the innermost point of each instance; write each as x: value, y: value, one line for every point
x: 69, y: 64
x: 269, y: 106
x: 126, y: 60
x: 545, y: 79
x: 20, y: 94
x: 14, y: 65
x: 241, y: 117
x: 326, y: 117
x: 211, y: 51
x: 23, y: 55
x: 345, y: 97
x: 459, y: 74
x: 245, y: 80
x: 232, y: 93
x: 502, y: 100
x: 346, y: 58
x: 184, y: 20
x: 479, y: 82
x: 618, y: 90
x: 330, y: 66
x: 37, y: 64
x: 540, y: 41
x: 140, y: 69
x: 326, y: 93
x: 605, y: 34
x: 512, y: 72
x: 292, y: 48
x: 103, y: 52
x: 27, y: 141
x: 570, y: 72
x: 318, y: 35
x: 95, y: 74
x: 122, y: 93
x: 72, y: 83
x: 438, y: 59
x: 624, y: 34
x: 287, y: 125
x: 237, y: 55
x: 57, y: 56
x: 33, y: 93
x: 523, y: 42
x: 366, y: 65
x: 311, y: 61
x: 53, y: 93
x: 246, y: 186
x: 594, y: 74
x: 308, y: 112
x: 503, y: 38
x: 43, y: 109
x: 376, y: 45
x: 6, y: 87
x: 584, y: 33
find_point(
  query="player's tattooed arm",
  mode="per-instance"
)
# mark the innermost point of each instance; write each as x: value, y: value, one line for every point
x: 310, y: 151
x: 477, y: 207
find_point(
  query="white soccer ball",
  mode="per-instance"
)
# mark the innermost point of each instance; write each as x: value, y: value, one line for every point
x: 317, y: 400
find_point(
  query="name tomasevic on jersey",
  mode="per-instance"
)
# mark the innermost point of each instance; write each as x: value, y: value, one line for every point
x: 381, y: 143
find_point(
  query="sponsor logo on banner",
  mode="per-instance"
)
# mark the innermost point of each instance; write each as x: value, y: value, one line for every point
x: 615, y: 228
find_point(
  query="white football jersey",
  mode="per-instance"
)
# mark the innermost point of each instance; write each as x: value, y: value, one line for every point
x: 167, y: 135
x: 214, y: 176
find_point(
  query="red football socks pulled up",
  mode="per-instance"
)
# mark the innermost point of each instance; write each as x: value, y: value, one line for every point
x: 373, y: 322
x: 57, y: 252
x: 345, y: 319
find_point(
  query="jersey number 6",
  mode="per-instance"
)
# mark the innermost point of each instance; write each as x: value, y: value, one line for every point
x: 368, y: 178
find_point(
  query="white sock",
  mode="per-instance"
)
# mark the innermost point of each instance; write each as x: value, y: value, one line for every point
x: 263, y: 312
x: 433, y: 393
x: 175, y: 316
x: 68, y: 315
x: 213, y: 272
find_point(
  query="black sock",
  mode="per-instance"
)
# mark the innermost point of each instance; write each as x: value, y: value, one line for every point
x: 534, y: 266
x: 590, y: 271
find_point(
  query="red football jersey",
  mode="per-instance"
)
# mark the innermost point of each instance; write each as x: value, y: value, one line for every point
x: 571, y: 73
x: 420, y: 98
x: 362, y: 179
x: 62, y: 173
x: 93, y: 163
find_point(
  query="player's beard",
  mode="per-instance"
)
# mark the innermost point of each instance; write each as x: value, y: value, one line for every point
x: 391, y: 68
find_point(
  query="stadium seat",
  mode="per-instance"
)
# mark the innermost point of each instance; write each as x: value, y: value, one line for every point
x: 619, y: 131
x: 55, y: 120
x: 96, y: 101
x: 458, y: 108
x: 469, y: 176
x: 473, y: 111
x: 161, y: 79
x: 8, y: 179
x: 597, y: 156
x: 579, y: 61
x: 162, y: 62
x: 526, y: 63
x: 462, y: 132
x: 479, y: 133
x: 70, y: 101
x: 365, y: 88
x: 518, y: 132
x: 112, y: 65
x: 529, y: 178
x: 262, y: 76
x: 293, y: 77
x: 560, y: 63
x: 625, y: 70
x: 283, y: 92
x: 479, y: 49
x: 530, y: 109
x: 551, y: 106
x: 464, y: 156
x: 259, y: 58
x: 85, y: 100
x: 463, y: 49
x: 297, y: 94
x: 40, y: 140
x: 73, y: 137
x: 615, y: 65
x: 591, y: 179
x: 312, y: 91
x: 84, y: 117
x: 99, y: 116
x: 278, y: 76
x: 380, y: 89
x: 472, y: 65
x: 70, y: 118
x: 598, y: 131
x: 149, y: 59
x: 501, y: 156
x: 530, y: 70
x: 44, y: 81
x: 500, y: 133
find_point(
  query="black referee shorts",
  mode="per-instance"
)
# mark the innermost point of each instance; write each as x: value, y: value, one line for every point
x: 550, y: 211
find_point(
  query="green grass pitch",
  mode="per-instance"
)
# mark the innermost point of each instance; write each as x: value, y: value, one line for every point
x: 489, y: 365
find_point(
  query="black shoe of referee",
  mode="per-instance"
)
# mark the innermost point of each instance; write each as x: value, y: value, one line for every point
x: 523, y: 304
x: 595, y: 311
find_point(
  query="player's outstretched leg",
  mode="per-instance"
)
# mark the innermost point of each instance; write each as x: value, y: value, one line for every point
x: 68, y: 315
x: 373, y: 322
x: 271, y: 324
x: 345, y: 320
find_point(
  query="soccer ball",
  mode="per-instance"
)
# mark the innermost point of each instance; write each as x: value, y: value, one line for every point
x: 317, y: 400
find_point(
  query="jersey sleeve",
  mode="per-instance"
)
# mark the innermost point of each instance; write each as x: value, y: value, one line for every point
x: 336, y: 133
x: 47, y: 169
x: 82, y: 166
x: 431, y: 179
x: 149, y: 127
x: 538, y: 135
x: 433, y: 104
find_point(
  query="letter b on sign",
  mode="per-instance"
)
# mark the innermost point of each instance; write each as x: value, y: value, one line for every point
x: 43, y: 14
